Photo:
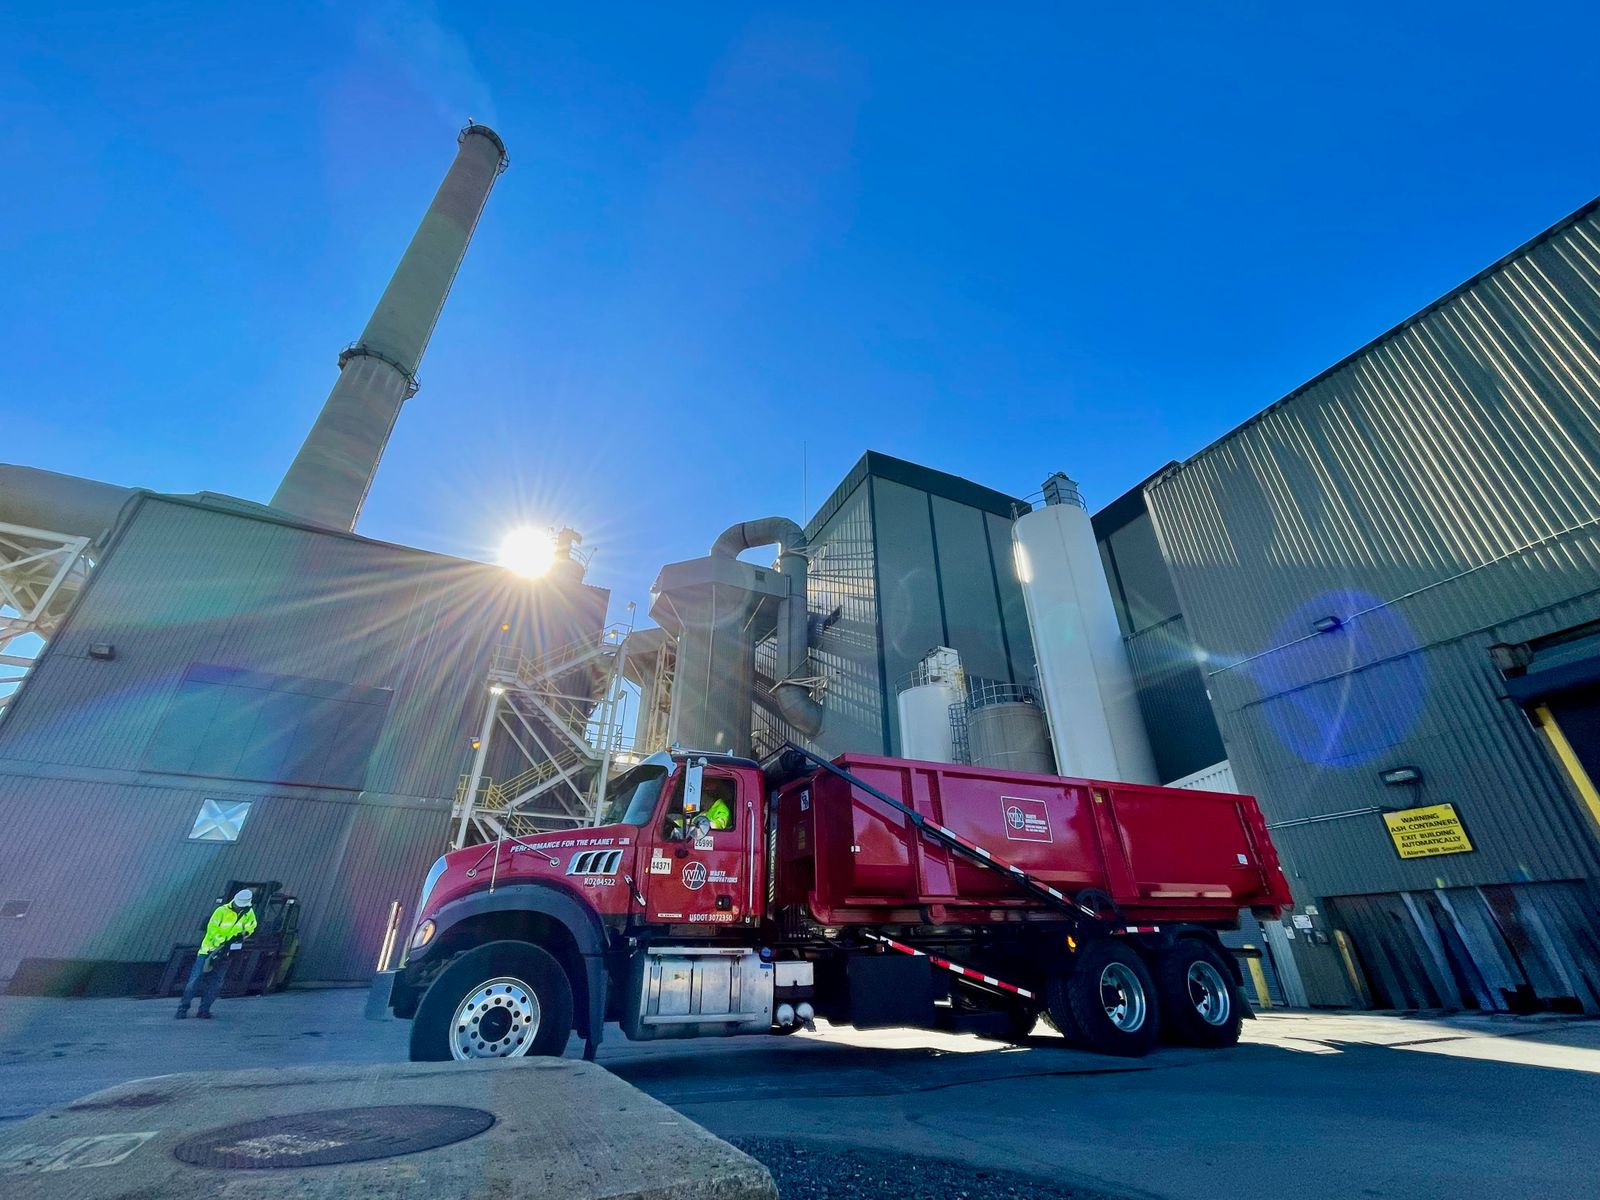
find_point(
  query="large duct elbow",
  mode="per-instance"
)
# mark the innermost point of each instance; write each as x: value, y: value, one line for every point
x: 55, y: 503
x: 791, y: 693
x: 768, y: 531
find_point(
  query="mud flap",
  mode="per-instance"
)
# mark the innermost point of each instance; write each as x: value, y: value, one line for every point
x: 594, y: 970
x: 379, y: 993
x: 1246, y: 1009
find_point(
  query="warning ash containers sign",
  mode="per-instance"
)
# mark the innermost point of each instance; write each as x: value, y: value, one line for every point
x: 1025, y: 820
x: 1425, y: 832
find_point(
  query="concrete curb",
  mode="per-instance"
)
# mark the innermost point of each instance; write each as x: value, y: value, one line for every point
x: 556, y: 1127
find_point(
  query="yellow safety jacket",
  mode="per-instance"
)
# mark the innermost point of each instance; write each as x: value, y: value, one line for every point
x: 719, y: 814
x: 226, y: 924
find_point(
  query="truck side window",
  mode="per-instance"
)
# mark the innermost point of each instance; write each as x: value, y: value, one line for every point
x: 718, y: 802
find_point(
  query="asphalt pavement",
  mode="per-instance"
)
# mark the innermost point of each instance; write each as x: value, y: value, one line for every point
x: 1319, y: 1106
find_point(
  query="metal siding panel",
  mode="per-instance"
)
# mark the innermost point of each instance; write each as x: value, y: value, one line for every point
x: 1449, y: 475
x: 133, y: 884
x: 847, y: 649
x: 911, y: 609
x: 972, y: 609
x: 1172, y: 699
x: 385, y: 859
x: 186, y: 584
x: 138, y: 886
x: 1013, y: 608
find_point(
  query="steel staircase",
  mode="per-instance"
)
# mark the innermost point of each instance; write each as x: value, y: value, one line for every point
x: 561, y: 710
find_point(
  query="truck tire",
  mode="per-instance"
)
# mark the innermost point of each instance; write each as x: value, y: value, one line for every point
x: 501, y: 1000
x: 1057, y: 1013
x: 1111, y: 1000
x: 1199, y: 1005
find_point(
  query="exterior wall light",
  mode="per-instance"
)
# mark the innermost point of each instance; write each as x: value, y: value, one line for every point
x: 496, y: 690
x: 1327, y: 624
x: 104, y: 651
x: 1401, y: 776
x: 1511, y: 660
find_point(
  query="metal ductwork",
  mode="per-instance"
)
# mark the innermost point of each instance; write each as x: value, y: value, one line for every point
x: 791, y: 692
x: 66, y: 504
x: 328, y: 481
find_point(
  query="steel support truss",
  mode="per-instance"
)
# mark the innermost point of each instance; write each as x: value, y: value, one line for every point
x: 41, y: 572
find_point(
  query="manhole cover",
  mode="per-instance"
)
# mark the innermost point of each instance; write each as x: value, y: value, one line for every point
x: 338, y: 1135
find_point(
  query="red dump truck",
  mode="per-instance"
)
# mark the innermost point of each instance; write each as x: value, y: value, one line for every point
x: 718, y: 897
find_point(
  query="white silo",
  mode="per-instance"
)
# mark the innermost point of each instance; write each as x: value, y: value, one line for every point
x: 927, y: 697
x: 1095, y: 723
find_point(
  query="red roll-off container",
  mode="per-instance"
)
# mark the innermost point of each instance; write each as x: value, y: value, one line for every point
x: 1160, y: 854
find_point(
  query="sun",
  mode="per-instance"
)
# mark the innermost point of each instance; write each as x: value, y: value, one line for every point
x: 527, y: 551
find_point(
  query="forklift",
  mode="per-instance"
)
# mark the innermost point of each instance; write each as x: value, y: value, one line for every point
x: 267, y: 961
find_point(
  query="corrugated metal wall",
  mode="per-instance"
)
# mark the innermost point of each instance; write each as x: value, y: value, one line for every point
x: 184, y: 584
x: 110, y: 872
x: 903, y: 559
x: 1438, y: 492
x: 1172, y: 699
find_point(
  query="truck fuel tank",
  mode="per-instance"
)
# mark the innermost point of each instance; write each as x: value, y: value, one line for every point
x: 697, y: 991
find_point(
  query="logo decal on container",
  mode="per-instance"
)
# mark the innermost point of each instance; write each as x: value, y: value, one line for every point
x: 1026, y: 820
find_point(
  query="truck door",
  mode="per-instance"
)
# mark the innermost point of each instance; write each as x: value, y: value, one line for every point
x: 705, y: 880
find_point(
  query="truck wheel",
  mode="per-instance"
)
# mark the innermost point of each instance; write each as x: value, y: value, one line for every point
x: 502, y: 1000
x: 1112, y: 1000
x: 1198, y: 1002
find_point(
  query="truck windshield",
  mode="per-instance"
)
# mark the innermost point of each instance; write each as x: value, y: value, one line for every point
x: 631, y: 798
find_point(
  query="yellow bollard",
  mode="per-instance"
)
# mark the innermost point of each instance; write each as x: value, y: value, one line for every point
x: 1258, y: 979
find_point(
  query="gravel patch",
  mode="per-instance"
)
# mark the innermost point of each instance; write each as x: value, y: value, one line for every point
x: 820, y: 1171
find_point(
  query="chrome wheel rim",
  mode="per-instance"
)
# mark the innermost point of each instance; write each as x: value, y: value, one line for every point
x: 1209, y: 993
x: 1123, y: 997
x: 498, y: 1019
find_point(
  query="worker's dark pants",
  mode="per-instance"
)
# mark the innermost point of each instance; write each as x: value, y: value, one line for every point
x: 207, y: 984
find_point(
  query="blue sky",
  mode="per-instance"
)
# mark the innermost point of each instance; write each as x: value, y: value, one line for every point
x: 996, y: 239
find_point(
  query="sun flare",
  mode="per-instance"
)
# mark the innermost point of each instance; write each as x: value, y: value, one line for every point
x: 527, y: 551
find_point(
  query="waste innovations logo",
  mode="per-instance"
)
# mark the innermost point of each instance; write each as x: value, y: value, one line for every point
x: 1027, y: 819
x: 694, y: 876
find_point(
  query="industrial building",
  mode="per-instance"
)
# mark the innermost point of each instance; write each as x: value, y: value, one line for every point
x: 240, y: 696
x: 1376, y: 606
x: 1389, y: 585
x: 224, y: 692
x: 903, y: 559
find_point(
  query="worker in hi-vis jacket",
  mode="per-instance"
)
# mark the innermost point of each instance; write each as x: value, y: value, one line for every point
x: 230, y: 924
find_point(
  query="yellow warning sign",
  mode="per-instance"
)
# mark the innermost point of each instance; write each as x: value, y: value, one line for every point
x: 1425, y: 832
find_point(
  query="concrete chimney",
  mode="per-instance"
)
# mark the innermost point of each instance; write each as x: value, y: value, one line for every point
x: 327, y: 482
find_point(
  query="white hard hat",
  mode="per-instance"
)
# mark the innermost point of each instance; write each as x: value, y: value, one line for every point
x: 242, y: 898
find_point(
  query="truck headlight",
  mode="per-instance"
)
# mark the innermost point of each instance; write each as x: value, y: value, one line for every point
x: 422, y: 936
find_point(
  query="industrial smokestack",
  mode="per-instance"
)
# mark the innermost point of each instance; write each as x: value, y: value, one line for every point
x: 327, y: 482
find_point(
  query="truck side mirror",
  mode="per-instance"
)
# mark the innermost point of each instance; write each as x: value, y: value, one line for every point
x: 699, y: 826
x: 693, y: 779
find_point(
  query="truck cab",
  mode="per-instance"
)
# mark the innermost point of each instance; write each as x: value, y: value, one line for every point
x: 649, y: 918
